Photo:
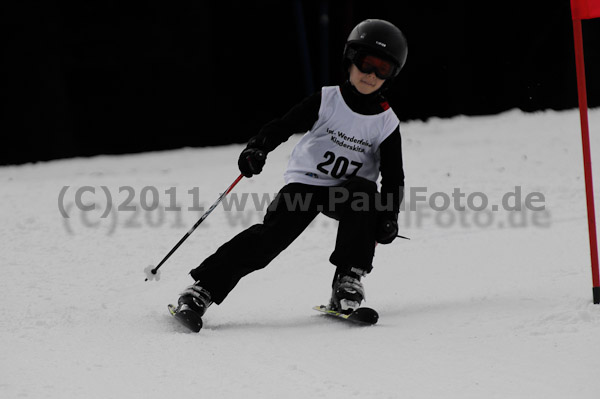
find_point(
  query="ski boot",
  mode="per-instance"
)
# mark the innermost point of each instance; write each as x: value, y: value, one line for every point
x: 192, y: 304
x: 348, y: 291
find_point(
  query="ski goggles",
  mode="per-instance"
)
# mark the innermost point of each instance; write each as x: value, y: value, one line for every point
x: 367, y: 63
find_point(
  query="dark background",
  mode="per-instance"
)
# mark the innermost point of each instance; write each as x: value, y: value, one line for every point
x: 86, y: 78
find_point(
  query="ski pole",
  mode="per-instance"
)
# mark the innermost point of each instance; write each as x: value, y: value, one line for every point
x: 151, y: 273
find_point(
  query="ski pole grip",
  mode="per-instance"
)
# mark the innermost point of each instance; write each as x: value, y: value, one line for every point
x: 260, y: 155
x: 388, y: 227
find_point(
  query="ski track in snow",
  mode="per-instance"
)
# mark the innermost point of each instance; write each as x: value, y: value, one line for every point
x: 466, y: 310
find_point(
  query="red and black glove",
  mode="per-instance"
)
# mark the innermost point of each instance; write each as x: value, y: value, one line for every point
x: 387, y: 227
x: 252, y: 159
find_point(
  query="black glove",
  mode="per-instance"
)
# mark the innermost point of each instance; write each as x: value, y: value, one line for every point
x: 251, y: 161
x: 387, y: 227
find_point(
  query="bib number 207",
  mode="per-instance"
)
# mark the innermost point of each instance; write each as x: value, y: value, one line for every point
x: 340, y: 166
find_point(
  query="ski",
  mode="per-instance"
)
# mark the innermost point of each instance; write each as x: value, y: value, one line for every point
x: 187, y: 318
x: 362, y: 316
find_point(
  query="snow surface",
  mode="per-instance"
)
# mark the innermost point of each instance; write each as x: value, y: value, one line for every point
x: 470, y: 307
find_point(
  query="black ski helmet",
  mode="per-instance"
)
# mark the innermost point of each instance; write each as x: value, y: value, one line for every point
x: 380, y: 38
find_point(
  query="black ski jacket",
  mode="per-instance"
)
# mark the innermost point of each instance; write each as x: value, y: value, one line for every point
x: 303, y: 116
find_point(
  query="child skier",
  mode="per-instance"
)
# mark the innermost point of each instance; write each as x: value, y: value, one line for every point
x: 352, y: 136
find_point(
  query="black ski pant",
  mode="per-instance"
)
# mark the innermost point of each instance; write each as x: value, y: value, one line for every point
x: 290, y: 213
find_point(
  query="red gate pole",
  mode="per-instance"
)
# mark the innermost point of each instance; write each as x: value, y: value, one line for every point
x: 587, y: 159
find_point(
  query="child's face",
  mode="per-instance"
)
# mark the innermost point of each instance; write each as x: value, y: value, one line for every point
x: 363, y: 82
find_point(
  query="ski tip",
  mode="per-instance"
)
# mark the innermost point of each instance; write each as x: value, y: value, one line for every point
x: 365, y: 315
x: 186, y: 317
x: 362, y: 316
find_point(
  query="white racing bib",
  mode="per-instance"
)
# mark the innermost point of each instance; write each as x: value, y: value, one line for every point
x: 340, y: 145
